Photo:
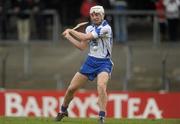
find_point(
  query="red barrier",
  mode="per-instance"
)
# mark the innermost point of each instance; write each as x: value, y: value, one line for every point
x: 120, y: 104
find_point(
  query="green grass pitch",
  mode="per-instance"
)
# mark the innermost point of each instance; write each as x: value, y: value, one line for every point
x: 34, y: 120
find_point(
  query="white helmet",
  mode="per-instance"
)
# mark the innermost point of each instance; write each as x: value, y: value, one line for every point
x: 97, y: 9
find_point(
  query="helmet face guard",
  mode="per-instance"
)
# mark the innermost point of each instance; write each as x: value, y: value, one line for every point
x: 97, y: 9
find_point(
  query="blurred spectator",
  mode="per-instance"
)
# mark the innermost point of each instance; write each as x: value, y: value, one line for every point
x: 73, y: 11
x: 62, y: 9
x: 40, y: 25
x: 120, y: 21
x: 105, y: 3
x: 5, y: 6
x: 84, y: 12
x: 22, y: 9
x: 161, y: 18
x: 172, y: 14
x: 140, y: 4
x: 69, y: 10
x: 85, y: 7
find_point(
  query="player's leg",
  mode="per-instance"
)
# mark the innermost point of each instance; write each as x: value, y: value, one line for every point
x: 77, y: 81
x: 102, y: 80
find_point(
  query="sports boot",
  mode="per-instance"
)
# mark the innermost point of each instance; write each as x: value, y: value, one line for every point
x: 101, y: 120
x: 61, y: 115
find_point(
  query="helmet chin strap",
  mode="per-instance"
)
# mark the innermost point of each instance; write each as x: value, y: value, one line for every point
x: 102, y: 15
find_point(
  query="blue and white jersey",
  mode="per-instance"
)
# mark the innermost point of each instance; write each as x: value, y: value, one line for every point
x: 101, y: 45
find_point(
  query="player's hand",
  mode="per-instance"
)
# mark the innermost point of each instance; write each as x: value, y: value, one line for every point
x: 67, y: 35
x: 66, y: 32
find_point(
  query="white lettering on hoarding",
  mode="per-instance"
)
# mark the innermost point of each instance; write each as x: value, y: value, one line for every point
x: 117, y: 98
x: 94, y: 106
x: 13, y: 102
x: 15, y: 105
x: 152, y: 109
x: 49, y: 106
x: 31, y: 106
x: 83, y: 105
x: 133, y: 107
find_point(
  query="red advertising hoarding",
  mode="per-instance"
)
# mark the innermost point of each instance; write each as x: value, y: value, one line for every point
x: 120, y: 104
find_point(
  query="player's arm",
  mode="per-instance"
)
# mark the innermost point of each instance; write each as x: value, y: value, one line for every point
x: 102, y: 32
x: 78, y: 44
x: 84, y: 37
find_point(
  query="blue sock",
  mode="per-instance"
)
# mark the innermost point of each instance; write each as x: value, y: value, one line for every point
x: 63, y: 109
x: 102, y: 114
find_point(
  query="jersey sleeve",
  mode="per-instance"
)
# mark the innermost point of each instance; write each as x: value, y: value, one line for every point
x: 88, y: 29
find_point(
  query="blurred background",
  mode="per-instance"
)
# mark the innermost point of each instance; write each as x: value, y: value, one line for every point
x: 34, y: 55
